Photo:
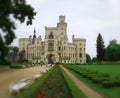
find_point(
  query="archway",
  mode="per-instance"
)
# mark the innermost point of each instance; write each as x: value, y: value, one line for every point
x: 50, y: 59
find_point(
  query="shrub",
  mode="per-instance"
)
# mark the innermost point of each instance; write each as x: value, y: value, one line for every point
x: 117, y: 77
x: 16, y: 66
x: 96, y: 80
x: 108, y: 84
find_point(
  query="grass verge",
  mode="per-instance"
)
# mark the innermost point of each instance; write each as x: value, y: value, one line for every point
x: 109, y: 92
x: 74, y: 89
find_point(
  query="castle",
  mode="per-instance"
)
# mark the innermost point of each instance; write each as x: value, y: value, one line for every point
x: 55, y: 47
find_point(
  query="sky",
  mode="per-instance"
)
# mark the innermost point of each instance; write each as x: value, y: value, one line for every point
x: 85, y: 19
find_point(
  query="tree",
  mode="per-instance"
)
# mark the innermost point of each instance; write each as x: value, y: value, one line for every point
x: 3, y: 50
x: 112, y: 43
x: 22, y: 55
x: 112, y: 52
x: 14, y: 48
x: 13, y: 54
x: 100, y: 48
x: 88, y: 58
x: 17, y: 9
x: 94, y: 60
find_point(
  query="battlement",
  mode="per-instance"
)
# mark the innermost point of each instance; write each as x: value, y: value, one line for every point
x: 24, y: 39
x: 79, y: 39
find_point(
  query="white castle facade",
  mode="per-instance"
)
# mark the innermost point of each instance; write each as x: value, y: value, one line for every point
x: 55, y: 47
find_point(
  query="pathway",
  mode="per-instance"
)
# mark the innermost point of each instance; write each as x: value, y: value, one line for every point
x: 9, y: 76
x: 90, y: 93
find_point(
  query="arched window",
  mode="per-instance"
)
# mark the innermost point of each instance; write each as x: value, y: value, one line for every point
x: 51, y: 36
x: 50, y: 46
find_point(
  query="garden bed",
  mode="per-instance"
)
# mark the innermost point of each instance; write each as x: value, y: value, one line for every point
x: 55, y: 86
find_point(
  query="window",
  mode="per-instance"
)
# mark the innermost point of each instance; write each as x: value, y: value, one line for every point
x: 51, y: 36
x: 59, y: 48
x: 50, y: 46
x: 80, y: 55
x: 42, y: 48
x: 80, y: 49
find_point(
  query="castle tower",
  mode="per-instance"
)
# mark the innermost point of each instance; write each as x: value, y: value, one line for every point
x: 34, y: 36
x: 61, y: 19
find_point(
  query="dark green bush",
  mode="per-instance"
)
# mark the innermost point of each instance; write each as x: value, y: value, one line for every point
x: 117, y: 77
x: 6, y: 62
x: 16, y: 66
x: 109, y: 84
x: 96, y: 80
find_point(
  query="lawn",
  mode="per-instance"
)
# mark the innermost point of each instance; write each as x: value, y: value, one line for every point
x: 113, y: 70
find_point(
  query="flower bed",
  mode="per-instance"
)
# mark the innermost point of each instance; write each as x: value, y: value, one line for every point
x: 55, y: 86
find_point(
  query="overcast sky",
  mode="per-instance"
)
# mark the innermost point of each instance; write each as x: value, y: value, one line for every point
x: 85, y: 18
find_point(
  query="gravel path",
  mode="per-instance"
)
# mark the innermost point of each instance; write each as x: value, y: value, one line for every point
x: 9, y: 76
x: 90, y: 93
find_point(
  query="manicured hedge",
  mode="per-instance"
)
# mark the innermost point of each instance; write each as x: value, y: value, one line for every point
x: 96, y: 77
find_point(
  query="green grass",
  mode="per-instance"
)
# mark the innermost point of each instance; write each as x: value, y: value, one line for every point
x: 113, y: 70
x: 16, y: 65
x: 74, y: 89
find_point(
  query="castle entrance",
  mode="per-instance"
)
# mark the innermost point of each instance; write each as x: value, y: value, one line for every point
x: 50, y: 59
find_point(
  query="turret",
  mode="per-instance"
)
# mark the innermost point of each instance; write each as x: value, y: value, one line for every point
x: 62, y: 19
x: 30, y: 38
x: 73, y: 36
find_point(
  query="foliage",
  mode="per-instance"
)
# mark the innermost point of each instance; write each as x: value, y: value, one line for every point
x: 3, y: 51
x: 16, y: 66
x: 88, y: 58
x: 22, y: 56
x: 9, y: 9
x: 112, y: 52
x: 94, y: 60
x: 95, y: 76
x: 14, y: 48
x: 100, y: 48
x: 13, y: 54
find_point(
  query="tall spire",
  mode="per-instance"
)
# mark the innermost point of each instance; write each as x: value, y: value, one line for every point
x: 34, y: 36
